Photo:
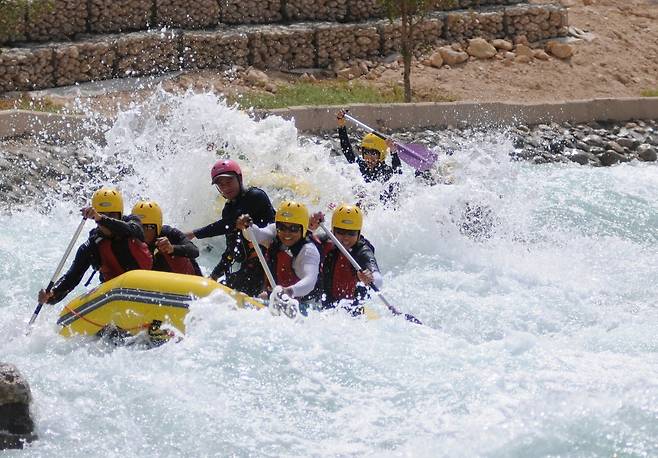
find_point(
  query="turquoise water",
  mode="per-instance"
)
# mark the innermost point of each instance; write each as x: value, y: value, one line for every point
x: 540, y: 341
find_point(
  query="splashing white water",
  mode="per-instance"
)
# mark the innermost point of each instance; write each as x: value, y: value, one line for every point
x: 538, y: 341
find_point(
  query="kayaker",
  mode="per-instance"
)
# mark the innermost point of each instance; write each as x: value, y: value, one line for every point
x: 292, y: 252
x: 339, y: 279
x: 226, y: 176
x: 172, y: 250
x: 115, y: 246
x: 372, y: 150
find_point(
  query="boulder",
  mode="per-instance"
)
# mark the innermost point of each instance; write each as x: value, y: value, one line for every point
x: 540, y: 54
x: 436, y: 60
x: 611, y: 157
x: 452, y: 57
x: 256, y: 77
x: 524, y: 50
x: 646, y: 152
x: 16, y: 424
x: 480, y: 48
x: 559, y: 50
x: 502, y: 44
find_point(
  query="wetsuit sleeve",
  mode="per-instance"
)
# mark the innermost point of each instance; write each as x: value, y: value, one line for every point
x: 182, y: 245
x: 345, y: 145
x: 264, y: 235
x: 396, y: 165
x: 366, y: 259
x: 307, y: 267
x: 260, y: 207
x: 221, y: 227
x: 128, y: 226
x: 72, y: 277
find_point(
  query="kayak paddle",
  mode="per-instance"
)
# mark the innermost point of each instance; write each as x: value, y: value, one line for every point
x: 57, y: 271
x: 416, y: 155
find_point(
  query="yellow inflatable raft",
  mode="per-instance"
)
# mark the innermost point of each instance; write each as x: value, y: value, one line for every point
x: 140, y: 299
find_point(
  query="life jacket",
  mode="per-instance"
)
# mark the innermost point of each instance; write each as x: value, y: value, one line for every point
x: 176, y: 264
x: 338, y: 275
x: 280, y: 262
x: 119, y: 256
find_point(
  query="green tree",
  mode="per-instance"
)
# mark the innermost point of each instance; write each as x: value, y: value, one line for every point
x: 411, y: 13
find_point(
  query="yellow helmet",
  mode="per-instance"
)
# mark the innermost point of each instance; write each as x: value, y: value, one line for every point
x: 372, y: 141
x: 107, y: 200
x: 293, y: 213
x: 149, y: 212
x: 347, y: 217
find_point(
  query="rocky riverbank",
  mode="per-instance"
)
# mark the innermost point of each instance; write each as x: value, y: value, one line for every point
x: 32, y: 168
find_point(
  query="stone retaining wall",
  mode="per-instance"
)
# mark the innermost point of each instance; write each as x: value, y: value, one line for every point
x: 300, y: 45
x: 65, y: 19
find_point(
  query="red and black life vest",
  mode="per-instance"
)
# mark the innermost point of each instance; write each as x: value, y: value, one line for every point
x: 176, y: 264
x: 339, y: 277
x: 121, y: 255
x: 281, y: 258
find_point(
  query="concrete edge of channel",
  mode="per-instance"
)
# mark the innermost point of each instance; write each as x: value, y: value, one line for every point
x: 16, y: 123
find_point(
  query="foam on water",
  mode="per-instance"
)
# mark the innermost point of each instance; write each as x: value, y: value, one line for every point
x: 539, y: 341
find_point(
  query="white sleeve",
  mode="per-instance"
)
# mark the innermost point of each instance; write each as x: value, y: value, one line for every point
x: 377, y: 279
x: 306, y: 266
x: 264, y: 235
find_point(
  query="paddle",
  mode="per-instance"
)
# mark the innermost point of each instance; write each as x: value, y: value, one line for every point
x: 356, y: 265
x: 416, y: 155
x: 57, y: 271
x: 276, y: 301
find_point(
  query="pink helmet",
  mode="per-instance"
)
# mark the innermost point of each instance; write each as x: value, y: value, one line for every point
x: 225, y: 168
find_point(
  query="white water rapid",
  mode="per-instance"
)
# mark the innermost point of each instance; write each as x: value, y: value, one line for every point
x: 539, y: 341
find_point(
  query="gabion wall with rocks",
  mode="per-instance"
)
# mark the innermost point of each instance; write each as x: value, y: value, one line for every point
x: 315, y: 10
x: 107, y: 16
x: 273, y: 46
x: 198, y: 14
x: 216, y: 49
x: 250, y: 11
x: 428, y: 32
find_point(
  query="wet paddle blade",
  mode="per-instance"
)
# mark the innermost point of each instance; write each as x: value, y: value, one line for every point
x: 417, y: 155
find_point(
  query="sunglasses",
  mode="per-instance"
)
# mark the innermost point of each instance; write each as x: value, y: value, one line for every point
x: 113, y: 215
x: 283, y: 227
x: 346, y: 232
x: 369, y: 152
x: 151, y: 227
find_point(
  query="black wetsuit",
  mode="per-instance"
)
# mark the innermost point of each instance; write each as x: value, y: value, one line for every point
x: 182, y: 247
x: 382, y: 172
x: 249, y: 278
x: 88, y: 253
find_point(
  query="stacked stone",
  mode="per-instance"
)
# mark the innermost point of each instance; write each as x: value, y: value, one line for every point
x: 90, y: 60
x: 536, y: 22
x: 24, y: 69
x: 185, y: 14
x: 361, y: 10
x: 427, y: 32
x: 119, y: 15
x: 16, y: 423
x: 250, y: 11
x: 346, y: 42
x: 56, y: 20
x: 464, y: 25
x: 315, y: 10
x: 146, y: 53
x: 217, y: 49
x: 278, y: 47
x: 12, y: 22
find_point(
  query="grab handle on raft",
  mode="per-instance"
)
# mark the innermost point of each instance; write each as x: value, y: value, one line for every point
x: 356, y: 265
x: 416, y: 155
x: 57, y: 271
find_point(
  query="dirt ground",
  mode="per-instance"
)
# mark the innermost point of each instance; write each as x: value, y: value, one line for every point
x: 618, y: 58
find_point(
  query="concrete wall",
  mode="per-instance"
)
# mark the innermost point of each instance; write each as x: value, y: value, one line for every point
x: 381, y: 117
